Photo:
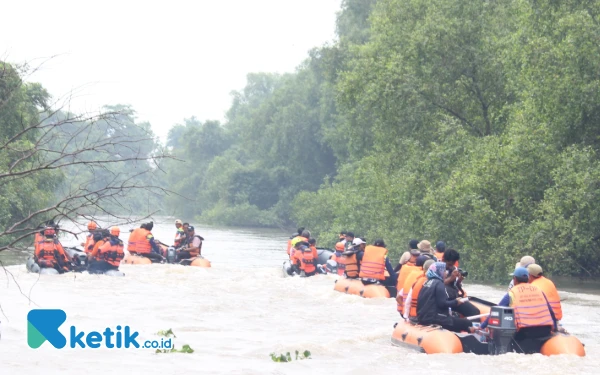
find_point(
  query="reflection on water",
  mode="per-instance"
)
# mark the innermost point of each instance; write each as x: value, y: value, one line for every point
x: 238, y: 312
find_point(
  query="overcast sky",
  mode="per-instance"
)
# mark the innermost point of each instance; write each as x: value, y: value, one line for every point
x: 169, y: 59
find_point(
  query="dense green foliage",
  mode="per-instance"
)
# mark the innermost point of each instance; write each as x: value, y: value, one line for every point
x: 473, y: 122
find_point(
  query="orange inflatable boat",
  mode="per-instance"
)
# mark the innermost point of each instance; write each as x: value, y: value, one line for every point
x: 356, y: 287
x: 499, y: 339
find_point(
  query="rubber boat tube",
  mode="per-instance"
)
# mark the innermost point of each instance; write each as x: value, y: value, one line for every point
x: 356, y: 287
x: 33, y: 267
x: 426, y: 339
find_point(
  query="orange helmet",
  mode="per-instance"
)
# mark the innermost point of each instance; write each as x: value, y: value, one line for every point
x: 115, y: 231
x: 339, y: 246
x: 92, y: 225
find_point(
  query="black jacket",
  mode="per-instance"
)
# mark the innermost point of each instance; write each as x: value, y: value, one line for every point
x: 433, y: 300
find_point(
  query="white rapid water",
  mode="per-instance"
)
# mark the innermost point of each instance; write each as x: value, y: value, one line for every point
x: 239, y: 311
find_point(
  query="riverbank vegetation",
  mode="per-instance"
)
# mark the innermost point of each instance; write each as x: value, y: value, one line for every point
x: 57, y: 165
x: 476, y: 122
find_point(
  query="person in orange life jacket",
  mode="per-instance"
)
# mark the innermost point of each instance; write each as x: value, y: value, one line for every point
x: 308, y: 258
x: 453, y: 281
x: 524, y: 262
x: 50, y: 254
x: 536, y: 277
x: 406, y: 256
x: 406, y: 278
x: 374, y: 263
x: 179, y: 234
x: 154, y: 252
x: 410, y: 302
x: 353, y: 257
x: 337, y: 257
x: 405, y: 270
x: 194, y: 245
x: 533, y: 314
x: 109, y: 255
x: 88, y: 245
x: 433, y: 303
x: 348, y: 245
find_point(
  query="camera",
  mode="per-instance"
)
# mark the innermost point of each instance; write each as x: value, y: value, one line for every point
x: 463, y: 273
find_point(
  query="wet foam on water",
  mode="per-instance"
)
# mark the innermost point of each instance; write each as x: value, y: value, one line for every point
x: 239, y: 311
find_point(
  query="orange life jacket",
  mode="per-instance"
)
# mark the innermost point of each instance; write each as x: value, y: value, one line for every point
x: 38, y: 238
x: 350, y: 265
x: 408, y: 283
x: 289, y: 246
x: 97, y: 245
x: 138, y: 242
x: 530, y: 307
x: 112, y: 254
x: 416, y: 289
x: 373, y: 263
x: 308, y: 261
x: 404, y: 272
x: 549, y: 289
x: 295, y: 240
x: 341, y: 265
x: 48, y: 251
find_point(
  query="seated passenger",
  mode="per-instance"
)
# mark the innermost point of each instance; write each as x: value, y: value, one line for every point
x: 433, y: 303
x: 194, y: 246
x: 308, y: 259
x: 374, y: 264
x: 410, y: 303
x: 533, y: 314
x: 88, y: 245
x: 536, y: 277
x: 406, y: 281
x: 109, y: 255
x: 141, y: 242
x: 453, y: 281
x: 50, y: 254
x: 352, y: 258
x: 180, y: 238
x: 337, y: 257
x: 413, y: 246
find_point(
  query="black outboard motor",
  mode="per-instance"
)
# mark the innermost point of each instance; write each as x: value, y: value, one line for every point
x: 502, y: 330
x: 171, y: 255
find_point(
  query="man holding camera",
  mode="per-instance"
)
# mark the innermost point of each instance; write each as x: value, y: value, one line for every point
x: 453, y: 282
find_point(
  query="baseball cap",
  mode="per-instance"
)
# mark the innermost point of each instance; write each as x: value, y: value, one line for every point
x: 440, y: 245
x: 178, y: 221
x: 358, y: 241
x: 535, y: 270
x: 191, y: 228
x: 525, y: 261
x: 521, y: 273
x: 413, y: 244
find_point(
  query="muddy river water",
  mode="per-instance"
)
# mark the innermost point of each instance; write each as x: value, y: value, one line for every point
x: 238, y: 312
